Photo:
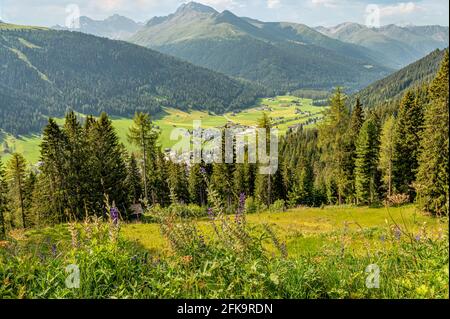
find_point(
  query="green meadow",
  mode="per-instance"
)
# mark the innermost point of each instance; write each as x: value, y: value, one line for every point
x: 282, y: 109
x: 301, y: 253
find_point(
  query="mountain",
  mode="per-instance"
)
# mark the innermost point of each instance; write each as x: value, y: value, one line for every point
x: 45, y: 72
x: 115, y: 27
x: 400, y: 45
x: 282, y: 56
x: 393, y: 87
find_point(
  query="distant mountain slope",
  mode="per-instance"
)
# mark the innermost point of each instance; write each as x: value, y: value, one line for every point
x: 115, y: 27
x: 400, y: 45
x: 45, y: 72
x: 394, y: 86
x: 282, y: 56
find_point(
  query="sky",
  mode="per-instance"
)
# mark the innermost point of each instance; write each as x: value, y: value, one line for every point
x: 310, y: 12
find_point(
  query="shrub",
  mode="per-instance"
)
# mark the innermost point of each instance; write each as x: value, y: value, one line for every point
x: 278, y: 206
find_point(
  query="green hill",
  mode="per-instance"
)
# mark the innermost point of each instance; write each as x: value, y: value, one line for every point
x: 45, y: 72
x: 394, y: 86
x: 282, y: 56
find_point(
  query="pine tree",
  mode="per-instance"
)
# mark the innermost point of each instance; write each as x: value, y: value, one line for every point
x: 144, y: 135
x: 16, y: 175
x: 387, y: 153
x: 356, y: 122
x: 366, y: 164
x: 406, y: 144
x: 3, y: 200
x: 197, y: 185
x: 432, y: 178
x: 107, y: 166
x: 333, y: 140
x: 134, y: 180
x: 75, y: 167
x: 52, y: 195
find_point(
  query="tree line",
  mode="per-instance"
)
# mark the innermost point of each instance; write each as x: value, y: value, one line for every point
x: 355, y: 156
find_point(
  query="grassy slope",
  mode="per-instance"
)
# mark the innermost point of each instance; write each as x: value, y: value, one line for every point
x: 282, y: 106
x: 310, y: 230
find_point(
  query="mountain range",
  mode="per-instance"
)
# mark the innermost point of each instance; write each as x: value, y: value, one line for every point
x: 115, y: 27
x: 282, y: 56
x: 45, y: 72
x: 399, y: 46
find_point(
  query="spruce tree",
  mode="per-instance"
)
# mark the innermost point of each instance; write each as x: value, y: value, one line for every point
x: 432, y: 178
x: 333, y: 140
x: 144, y: 135
x: 3, y: 200
x: 197, y: 185
x: 356, y: 122
x: 107, y: 166
x: 387, y: 153
x: 16, y: 171
x: 406, y: 144
x: 134, y: 180
x: 366, y: 163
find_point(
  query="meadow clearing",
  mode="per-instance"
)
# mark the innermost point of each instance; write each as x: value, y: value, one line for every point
x: 282, y: 109
x: 324, y: 252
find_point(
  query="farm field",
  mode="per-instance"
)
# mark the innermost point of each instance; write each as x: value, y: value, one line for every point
x: 316, y: 253
x: 281, y: 109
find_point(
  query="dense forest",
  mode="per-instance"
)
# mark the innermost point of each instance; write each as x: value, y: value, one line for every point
x: 390, y: 90
x: 355, y: 156
x: 46, y: 73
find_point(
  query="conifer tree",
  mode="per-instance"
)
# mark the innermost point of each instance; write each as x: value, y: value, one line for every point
x: 432, y: 178
x: 107, y: 166
x: 144, y: 135
x: 387, y: 153
x: 406, y: 144
x: 197, y: 185
x: 51, y: 197
x: 3, y: 200
x: 134, y: 180
x: 366, y: 164
x: 16, y: 171
x: 333, y: 140
x: 356, y: 122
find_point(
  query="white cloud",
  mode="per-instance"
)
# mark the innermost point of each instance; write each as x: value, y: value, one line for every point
x: 273, y: 4
x: 325, y: 3
x: 399, y: 9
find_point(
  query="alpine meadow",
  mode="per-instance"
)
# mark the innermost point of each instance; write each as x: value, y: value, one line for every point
x: 204, y: 153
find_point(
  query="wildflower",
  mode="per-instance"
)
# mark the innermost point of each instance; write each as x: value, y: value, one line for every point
x: 203, y: 170
x: 417, y: 237
x: 241, y: 207
x: 114, y: 214
x: 397, y: 233
x: 54, y: 251
x: 383, y: 238
x: 211, y: 213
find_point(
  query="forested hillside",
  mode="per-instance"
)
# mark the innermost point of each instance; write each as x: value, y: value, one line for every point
x: 392, y: 88
x: 282, y: 56
x: 47, y: 72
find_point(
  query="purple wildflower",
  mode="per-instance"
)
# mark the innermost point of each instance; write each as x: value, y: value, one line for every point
x: 417, y: 237
x: 54, y: 251
x: 210, y: 213
x: 114, y: 213
x: 383, y: 238
x: 241, y: 208
x: 203, y: 170
x: 397, y: 233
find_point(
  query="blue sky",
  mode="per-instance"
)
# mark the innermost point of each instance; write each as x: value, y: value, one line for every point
x: 310, y: 12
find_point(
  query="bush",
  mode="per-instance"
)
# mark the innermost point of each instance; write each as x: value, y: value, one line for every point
x: 278, y: 206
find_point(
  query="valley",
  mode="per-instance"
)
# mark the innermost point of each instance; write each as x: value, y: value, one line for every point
x: 283, y: 110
